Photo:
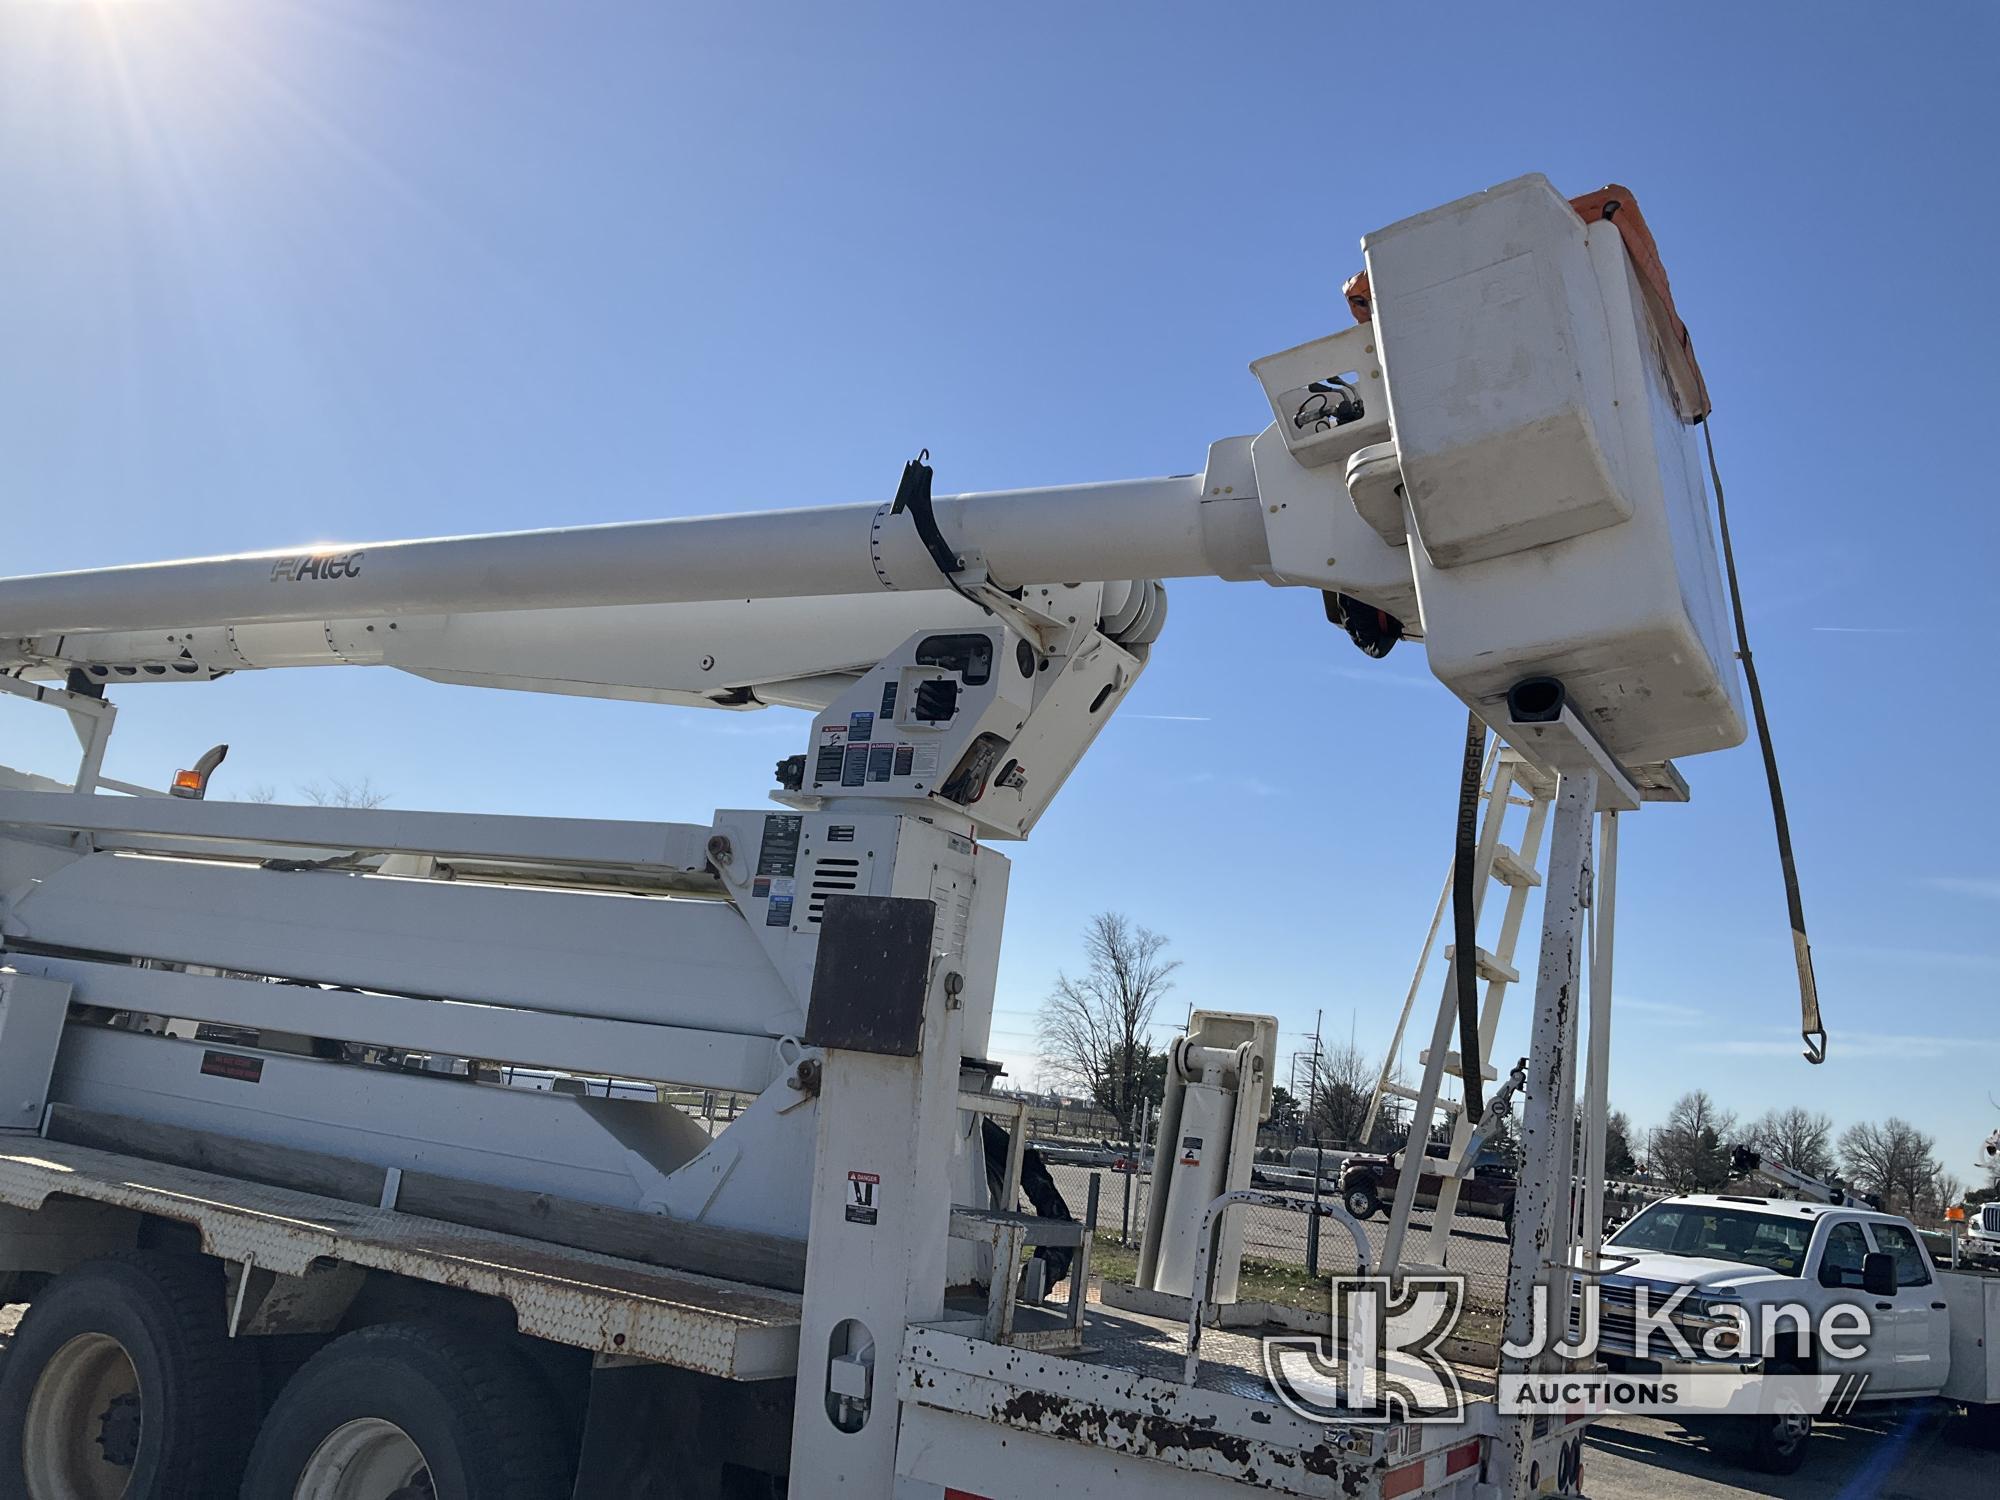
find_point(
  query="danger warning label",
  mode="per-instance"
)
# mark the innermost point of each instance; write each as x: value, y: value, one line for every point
x: 233, y: 1065
x: 861, y: 1205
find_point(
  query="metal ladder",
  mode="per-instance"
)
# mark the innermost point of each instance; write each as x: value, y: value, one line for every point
x: 1511, y: 783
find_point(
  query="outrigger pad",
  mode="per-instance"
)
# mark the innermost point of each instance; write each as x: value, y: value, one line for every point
x: 871, y: 975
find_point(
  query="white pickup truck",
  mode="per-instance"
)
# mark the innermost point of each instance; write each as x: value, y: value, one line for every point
x: 1982, y: 1232
x: 1930, y: 1332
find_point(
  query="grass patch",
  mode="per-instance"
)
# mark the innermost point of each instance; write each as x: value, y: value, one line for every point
x: 1261, y: 1281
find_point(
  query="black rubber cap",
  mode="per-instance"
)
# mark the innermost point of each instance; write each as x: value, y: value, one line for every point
x: 1535, y: 700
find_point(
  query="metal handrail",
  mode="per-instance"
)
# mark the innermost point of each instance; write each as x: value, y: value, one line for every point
x: 1204, y: 1271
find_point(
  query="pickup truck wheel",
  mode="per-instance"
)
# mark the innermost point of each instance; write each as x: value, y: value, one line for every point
x: 411, y: 1411
x: 1982, y: 1426
x: 1776, y: 1444
x: 122, y: 1384
x: 1360, y: 1200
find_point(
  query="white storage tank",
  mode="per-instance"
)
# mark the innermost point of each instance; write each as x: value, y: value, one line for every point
x: 1558, y: 512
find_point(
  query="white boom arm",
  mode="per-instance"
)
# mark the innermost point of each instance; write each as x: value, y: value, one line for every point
x: 1143, y: 528
x: 1511, y: 478
x: 1744, y: 1162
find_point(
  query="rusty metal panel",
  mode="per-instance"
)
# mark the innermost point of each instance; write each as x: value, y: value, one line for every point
x: 1128, y: 1415
x: 970, y: 1457
x: 574, y: 1297
x: 871, y: 974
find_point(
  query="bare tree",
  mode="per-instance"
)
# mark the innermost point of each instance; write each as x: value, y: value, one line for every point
x: 1618, y: 1158
x: 1095, y: 1029
x: 1892, y: 1160
x: 1944, y: 1191
x: 1343, y: 1083
x: 1287, y: 1114
x: 331, y: 793
x: 337, y: 793
x: 1800, y: 1138
x: 1691, y: 1151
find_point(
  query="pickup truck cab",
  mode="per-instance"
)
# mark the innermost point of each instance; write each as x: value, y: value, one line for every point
x: 1368, y: 1182
x: 1738, y: 1251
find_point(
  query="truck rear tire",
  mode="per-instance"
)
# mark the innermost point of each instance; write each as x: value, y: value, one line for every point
x: 21, y: 1286
x: 411, y: 1409
x: 122, y: 1384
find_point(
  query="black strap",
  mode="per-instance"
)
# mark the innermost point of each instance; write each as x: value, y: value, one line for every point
x: 1465, y: 918
x: 1038, y: 1183
x: 1812, y: 1029
x: 914, y: 495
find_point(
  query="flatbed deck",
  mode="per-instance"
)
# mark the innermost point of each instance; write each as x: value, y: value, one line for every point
x: 1232, y: 1359
x: 586, y: 1300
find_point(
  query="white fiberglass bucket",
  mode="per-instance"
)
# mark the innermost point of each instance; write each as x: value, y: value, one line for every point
x: 1560, y: 523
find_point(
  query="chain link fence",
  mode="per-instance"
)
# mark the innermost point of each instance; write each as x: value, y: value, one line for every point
x: 1086, y: 1124
x: 1288, y: 1257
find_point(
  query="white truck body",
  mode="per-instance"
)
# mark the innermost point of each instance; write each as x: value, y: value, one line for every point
x: 1982, y: 1231
x: 1974, y: 1303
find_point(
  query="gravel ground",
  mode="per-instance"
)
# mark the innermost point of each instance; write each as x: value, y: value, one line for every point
x: 1919, y: 1454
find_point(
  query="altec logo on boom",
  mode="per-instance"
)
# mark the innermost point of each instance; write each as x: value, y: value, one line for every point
x: 320, y: 565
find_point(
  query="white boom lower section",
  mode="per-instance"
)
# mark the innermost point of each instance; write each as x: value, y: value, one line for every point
x: 226, y: 985
x: 453, y: 1028
x: 648, y: 958
x: 800, y: 653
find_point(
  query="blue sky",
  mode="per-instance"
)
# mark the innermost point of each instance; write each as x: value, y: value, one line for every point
x: 283, y: 272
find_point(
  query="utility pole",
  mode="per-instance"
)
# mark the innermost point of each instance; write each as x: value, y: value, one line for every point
x: 1299, y: 1121
x: 1319, y: 1149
